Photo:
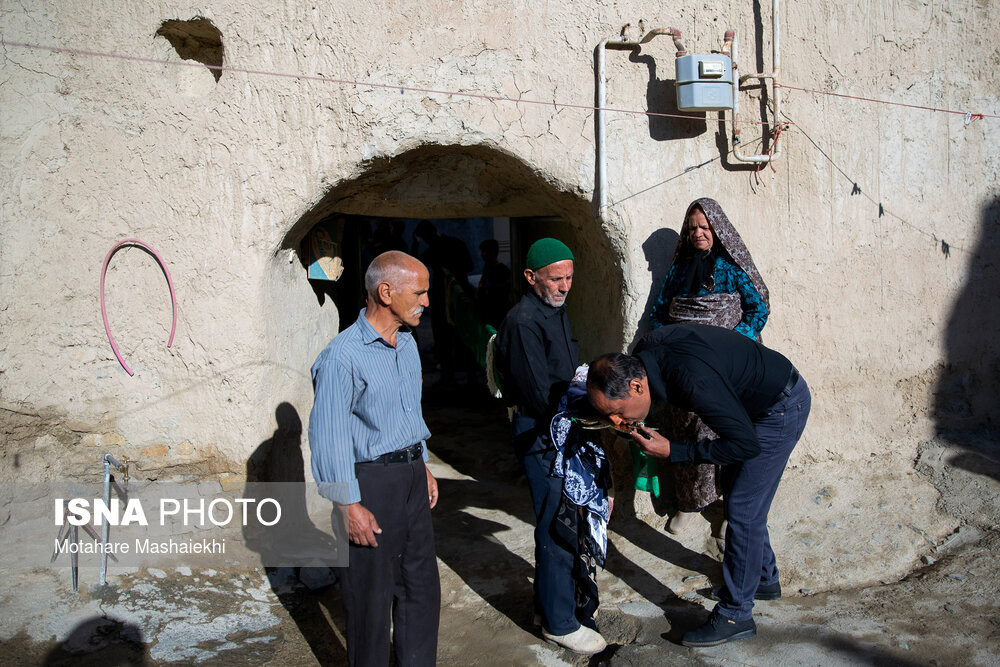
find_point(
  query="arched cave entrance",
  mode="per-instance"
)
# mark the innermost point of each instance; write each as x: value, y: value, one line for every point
x: 466, y: 191
x: 471, y: 193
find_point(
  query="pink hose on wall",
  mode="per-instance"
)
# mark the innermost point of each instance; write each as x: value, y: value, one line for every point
x: 104, y: 312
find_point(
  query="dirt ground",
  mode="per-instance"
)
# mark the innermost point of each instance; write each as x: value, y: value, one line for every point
x: 945, y: 613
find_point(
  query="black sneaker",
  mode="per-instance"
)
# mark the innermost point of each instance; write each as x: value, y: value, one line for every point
x: 720, y: 630
x: 764, y: 592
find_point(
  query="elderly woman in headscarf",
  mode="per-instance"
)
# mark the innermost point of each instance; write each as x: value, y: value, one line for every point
x: 711, y: 280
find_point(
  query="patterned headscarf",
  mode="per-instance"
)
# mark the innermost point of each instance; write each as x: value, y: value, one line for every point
x: 726, y: 234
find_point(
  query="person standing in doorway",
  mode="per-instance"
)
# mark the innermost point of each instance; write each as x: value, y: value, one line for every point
x: 536, y: 360
x: 448, y: 259
x: 368, y: 440
x: 493, y: 293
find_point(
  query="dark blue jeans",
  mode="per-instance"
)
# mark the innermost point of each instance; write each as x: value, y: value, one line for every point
x: 555, y: 588
x: 748, y: 489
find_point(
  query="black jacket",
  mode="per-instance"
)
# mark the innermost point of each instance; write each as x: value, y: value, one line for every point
x: 724, y: 377
x: 536, y: 356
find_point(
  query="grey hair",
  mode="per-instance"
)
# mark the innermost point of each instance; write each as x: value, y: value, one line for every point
x: 389, y: 267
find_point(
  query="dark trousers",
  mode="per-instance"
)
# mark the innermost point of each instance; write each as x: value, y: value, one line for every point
x: 555, y: 587
x: 748, y: 489
x: 398, y: 578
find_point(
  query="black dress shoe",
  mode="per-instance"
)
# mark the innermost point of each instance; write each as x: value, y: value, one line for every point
x: 764, y: 592
x: 720, y: 630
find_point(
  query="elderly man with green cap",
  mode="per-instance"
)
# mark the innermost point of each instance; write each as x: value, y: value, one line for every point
x: 536, y: 357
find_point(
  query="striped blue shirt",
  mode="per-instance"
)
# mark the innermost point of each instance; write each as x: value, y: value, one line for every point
x: 367, y: 404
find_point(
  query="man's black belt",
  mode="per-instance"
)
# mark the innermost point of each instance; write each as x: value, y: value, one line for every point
x: 792, y: 379
x: 411, y: 453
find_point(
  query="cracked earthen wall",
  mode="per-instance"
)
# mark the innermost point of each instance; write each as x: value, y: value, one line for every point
x: 223, y: 174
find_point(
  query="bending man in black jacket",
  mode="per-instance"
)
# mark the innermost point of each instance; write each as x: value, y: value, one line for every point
x: 756, y: 402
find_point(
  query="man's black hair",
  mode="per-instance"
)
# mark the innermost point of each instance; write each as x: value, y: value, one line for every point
x: 490, y: 245
x: 611, y: 373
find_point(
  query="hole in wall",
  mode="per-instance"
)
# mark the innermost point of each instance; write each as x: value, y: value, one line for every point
x: 196, y: 39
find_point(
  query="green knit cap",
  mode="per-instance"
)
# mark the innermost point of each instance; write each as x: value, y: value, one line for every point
x: 547, y: 251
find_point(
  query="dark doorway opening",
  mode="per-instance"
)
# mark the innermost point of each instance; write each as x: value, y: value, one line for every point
x: 473, y: 255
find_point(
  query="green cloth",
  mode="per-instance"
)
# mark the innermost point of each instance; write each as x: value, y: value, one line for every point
x: 644, y: 471
x: 546, y: 251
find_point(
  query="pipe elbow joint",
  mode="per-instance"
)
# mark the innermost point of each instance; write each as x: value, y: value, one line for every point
x: 676, y: 35
x: 727, y: 44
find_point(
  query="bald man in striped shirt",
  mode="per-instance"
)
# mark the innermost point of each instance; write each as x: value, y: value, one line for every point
x: 368, y: 441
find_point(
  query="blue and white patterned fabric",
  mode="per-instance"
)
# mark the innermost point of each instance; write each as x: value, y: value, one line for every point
x: 581, y: 462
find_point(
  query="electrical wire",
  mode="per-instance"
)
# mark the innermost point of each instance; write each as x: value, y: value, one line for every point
x: 856, y: 189
x: 970, y: 116
x: 348, y: 82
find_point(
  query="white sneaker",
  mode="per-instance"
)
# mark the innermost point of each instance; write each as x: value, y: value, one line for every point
x: 536, y: 620
x: 583, y: 640
x: 680, y: 522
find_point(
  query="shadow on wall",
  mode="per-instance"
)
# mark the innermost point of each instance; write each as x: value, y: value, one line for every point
x: 762, y: 102
x: 661, y: 98
x: 305, y: 592
x: 966, y: 410
x: 658, y: 250
x: 101, y: 641
x: 279, y: 458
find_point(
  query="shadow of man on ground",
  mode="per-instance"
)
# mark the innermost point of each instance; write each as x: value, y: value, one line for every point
x: 471, y: 436
x: 100, y: 641
x: 276, y: 469
x: 475, y: 549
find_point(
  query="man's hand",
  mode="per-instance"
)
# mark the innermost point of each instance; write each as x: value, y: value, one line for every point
x: 432, y: 489
x: 651, y: 443
x: 362, y: 526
